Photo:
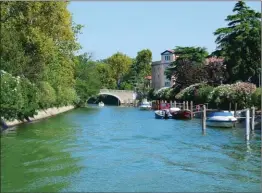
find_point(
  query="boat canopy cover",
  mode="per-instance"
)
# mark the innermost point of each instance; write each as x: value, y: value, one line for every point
x: 220, y: 114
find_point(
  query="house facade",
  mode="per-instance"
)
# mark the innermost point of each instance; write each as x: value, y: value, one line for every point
x: 159, y: 80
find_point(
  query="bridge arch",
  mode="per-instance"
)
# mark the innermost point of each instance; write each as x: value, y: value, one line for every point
x: 123, y: 96
x: 113, y: 95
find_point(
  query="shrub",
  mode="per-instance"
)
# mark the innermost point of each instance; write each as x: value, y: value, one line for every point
x: 190, y: 93
x: 201, y: 95
x: 151, y: 94
x: 162, y: 93
x: 239, y: 93
x: 66, y: 96
x: 11, y: 98
x: 256, y: 98
x: 47, y: 95
x: 31, y: 99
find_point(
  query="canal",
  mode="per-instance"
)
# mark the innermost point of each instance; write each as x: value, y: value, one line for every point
x: 123, y: 149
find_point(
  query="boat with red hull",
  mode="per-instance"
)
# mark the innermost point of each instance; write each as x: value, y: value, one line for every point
x: 183, y: 114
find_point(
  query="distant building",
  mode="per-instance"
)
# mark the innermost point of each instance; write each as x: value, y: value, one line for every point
x: 159, y: 79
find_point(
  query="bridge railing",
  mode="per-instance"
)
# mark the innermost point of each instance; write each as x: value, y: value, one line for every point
x: 111, y: 90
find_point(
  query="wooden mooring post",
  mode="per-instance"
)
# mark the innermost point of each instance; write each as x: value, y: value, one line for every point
x: 253, y: 119
x: 247, y: 124
x: 204, y: 120
x: 191, y: 109
x: 235, y: 113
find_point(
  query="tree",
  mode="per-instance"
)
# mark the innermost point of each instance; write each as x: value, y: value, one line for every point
x: 143, y: 62
x: 187, y: 74
x: 216, y: 72
x: 105, y: 76
x: 38, y: 44
x: 87, y: 79
x: 119, y: 63
x: 186, y: 55
x: 240, y: 44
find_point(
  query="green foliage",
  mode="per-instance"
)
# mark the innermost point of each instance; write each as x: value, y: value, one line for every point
x: 239, y: 93
x: 191, y: 93
x: 202, y: 94
x: 195, y: 54
x: 66, y: 96
x: 47, y: 95
x: 87, y: 79
x: 105, y: 76
x: 31, y: 99
x: 188, y: 68
x: 126, y: 86
x: 119, y: 64
x: 38, y: 44
x: 240, y: 44
x: 11, y: 97
x: 256, y: 98
x: 151, y: 94
x: 143, y: 61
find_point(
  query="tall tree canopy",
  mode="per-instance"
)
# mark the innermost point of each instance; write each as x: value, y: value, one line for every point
x: 186, y: 56
x: 240, y: 44
x: 143, y: 61
x: 87, y: 79
x: 105, y: 76
x: 38, y: 43
x: 119, y: 63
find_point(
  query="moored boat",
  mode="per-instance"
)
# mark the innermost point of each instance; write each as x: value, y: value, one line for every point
x: 101, y: 104
x: 221, y: 119
x: 145, y: 105
x: 163, y: 114
x: 182, y: 114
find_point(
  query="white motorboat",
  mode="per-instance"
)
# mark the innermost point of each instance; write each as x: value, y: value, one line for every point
x: 101, y: 104
x: 163, y: 114
x: 221, y: 119
x: 174, y: 109
x: 145, y: 105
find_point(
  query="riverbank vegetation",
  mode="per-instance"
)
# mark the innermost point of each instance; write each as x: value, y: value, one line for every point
x: 231, y: 74
x: 40, y: 67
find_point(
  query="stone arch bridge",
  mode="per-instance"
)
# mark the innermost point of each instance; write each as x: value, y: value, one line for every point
x: 124, y: 96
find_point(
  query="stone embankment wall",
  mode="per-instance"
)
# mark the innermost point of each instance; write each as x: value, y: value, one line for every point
x: 41, y: 115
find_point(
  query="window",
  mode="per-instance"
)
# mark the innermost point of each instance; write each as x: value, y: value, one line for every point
x: 167, y: 58
x: 167, y: 84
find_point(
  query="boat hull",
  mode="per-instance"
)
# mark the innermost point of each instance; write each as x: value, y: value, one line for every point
x: 222, y: 124
x: 221, y: 119
x: 145, y: 108
x: 183, y: 115
x: 161, y: 115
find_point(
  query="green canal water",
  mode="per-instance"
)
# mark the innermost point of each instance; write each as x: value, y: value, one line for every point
x: 123, y: 149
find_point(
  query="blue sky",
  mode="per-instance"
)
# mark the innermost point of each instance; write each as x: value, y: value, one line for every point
x: 132, y: 26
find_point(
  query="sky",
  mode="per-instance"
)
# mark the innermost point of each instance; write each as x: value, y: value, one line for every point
x: 129, y: 27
